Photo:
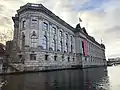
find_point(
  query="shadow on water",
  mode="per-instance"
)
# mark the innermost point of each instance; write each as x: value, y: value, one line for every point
x: 86, y: 79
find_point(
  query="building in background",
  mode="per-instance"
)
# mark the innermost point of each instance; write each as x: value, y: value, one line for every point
x: 113, y: 61
x: 44, y: 41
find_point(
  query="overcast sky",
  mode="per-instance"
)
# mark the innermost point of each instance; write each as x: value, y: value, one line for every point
x: 100, y: 17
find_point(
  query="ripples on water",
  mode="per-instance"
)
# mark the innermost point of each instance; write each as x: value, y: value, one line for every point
x: 86, y: 79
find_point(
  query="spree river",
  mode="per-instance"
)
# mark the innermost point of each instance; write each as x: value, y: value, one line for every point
x: 86, y: 79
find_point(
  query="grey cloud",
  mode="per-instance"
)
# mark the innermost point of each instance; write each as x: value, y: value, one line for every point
x: 104, y: 23
x: 5, y: 21
x: 1, y: 8
x: 115, y: 29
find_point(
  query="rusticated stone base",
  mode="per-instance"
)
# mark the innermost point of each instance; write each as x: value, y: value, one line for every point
x: 93, y: 66
x: 22, y: 67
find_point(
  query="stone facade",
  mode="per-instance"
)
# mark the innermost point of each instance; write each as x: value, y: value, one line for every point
x: 44, y: 40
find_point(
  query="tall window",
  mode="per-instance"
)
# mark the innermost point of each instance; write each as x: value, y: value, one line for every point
x: 67, y: 42
x: 55, y: 57
x: 34, y: 39
x: 23, y: 40
x: 68, y: 58
x: 44, y: 42
x: 24, y: 24
x: 60, y: 34
x: 67, y: 47
x: 71, y: 47
x: 45, y: 26
x: 66, y: 37
x: 54, y: 30
x: 46, y: 57
x: 61, y: 41
x: 62, y: 57
x: 44, y: 35
x: 73, y: 58
x: 54, y: 44
x: 61, y: 45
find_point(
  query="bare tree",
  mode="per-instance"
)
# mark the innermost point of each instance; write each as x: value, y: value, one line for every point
x: 6, y: 35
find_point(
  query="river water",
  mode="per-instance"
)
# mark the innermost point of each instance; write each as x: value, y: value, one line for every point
x: 86, y: 79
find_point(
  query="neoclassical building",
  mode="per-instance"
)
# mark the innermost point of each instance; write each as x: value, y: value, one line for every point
x: 44, y: 41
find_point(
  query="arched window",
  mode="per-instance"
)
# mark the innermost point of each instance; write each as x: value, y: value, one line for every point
x: 54, y: 44
x: 60, y: 34
x: 44, y: 42
x: 61, y: 46
x: 54, y: 30
x: 23, y: 24
x: 66, y: 42
x: 45, y: 26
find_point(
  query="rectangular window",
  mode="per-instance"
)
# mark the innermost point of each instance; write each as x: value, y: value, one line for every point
x: 46, y: 57
x: 71, y: 48
x: 20, y: 56
x: 68, y: 59
x: 55, y: 57
x: 32, y: 56
x: 73, y: 59
x: 34, y: 22
x: 33, y: 42
x: 62, y: 57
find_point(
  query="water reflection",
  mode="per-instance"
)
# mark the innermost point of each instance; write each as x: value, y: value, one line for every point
x: 87, y: 79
